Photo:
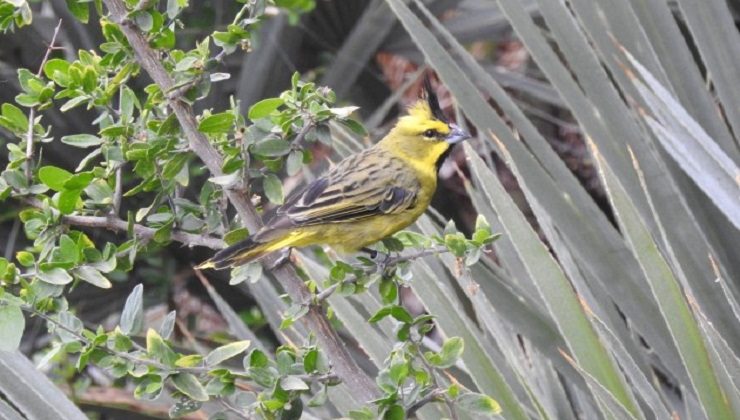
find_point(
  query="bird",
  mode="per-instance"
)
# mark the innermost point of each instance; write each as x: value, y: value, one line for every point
x: 366, y: 197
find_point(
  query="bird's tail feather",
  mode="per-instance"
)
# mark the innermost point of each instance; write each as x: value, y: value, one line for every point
x: 242, y: 252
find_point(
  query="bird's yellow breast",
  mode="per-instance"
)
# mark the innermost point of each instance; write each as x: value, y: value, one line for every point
x: 362, y: 232
x: 349, y: 237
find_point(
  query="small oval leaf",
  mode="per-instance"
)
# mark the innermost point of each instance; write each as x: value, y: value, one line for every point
x: 264, y: 108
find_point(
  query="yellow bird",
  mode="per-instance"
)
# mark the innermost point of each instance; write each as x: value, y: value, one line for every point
x: 363, y: 199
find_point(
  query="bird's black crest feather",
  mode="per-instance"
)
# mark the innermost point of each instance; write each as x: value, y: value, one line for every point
x: 432, y: 100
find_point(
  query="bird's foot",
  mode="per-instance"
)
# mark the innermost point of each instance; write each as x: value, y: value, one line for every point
x: 381, y: 259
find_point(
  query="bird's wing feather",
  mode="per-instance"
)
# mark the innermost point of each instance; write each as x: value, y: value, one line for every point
x: 356, y: 188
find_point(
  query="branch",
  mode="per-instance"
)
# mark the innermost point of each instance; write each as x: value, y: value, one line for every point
x: 113, y: 223
x: 123, y: 355
x: 382, y: 265
x: 432, y: 375
x: 433, y: 395
x: 118, y: 193
x: 32, y: 113
x: 359, y: 383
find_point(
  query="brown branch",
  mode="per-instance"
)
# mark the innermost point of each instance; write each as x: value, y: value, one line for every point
x: 108, y: 397
x: 359, y: 383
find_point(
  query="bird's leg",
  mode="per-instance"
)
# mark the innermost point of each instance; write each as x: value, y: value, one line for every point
x: 381, y: 259
x: 282, y: 259
x: 370, y: 252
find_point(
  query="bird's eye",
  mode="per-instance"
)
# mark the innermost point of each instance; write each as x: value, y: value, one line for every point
x: 430, y: 133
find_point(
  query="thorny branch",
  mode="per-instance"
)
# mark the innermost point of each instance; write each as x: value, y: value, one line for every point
x: 360, y: 384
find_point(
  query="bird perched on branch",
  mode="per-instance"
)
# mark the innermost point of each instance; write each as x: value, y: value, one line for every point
x: 366, y: 197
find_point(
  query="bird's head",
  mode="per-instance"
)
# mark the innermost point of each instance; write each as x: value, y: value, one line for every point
x: 425, y: 134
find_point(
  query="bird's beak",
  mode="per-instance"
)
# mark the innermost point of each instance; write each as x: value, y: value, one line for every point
x: 456, y: 135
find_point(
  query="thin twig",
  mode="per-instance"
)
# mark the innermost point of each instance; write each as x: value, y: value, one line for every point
x: 382, y: 265
x: 32, y: 112
x: 118, y: 193
x: 142, y: 232
x: 177, y: 92
x: 362, y: 386
x: 131, y: 358
x: 430, y: 369
x: 302, y: 134
x: 431, y: 396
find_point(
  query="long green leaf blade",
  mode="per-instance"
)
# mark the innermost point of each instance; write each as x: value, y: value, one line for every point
x: 669, y: 296
x: 554, y: 287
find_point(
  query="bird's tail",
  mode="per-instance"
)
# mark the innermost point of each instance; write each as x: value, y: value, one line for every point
x: 242, y: 252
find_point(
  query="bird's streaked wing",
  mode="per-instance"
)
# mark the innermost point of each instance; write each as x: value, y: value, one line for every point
x: 356, y: 188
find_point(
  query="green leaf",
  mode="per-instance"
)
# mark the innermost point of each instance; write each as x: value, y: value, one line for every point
x: 397, y: 312
x: 190, y: 386
x: 353, y: 125
x: 56, y: 276
x: 132, y: 317
x: 77, y: 100
x: 25, y: 258
x: 273, y: 188
x: 309, y: 360
x: 293, y: 383
x: 294, y: 163
x: 92, y: 276
x: 451, y: 351
x: 68, y: 251
x: 79, y: 9
x: 478, y: 404
x: 258, y: 359
x: 264, y: 108
x: 82, y: 140
x: 217, y: 123
x: 159, y: 349
x: 174, y: 165
x: 54, y: 177
x: 12, y: 324
x: 236, y: 235
x: 163, y: 234
x: 14, y: 117
x: 251, y: 273
x: 55, y: 65
x: 272, y: 147
x: 78, y: 181
x: 225, y: 352
x: 394, y: 412
x: 68, y: 200
x: 190, y: 360
x: 362, y: 414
